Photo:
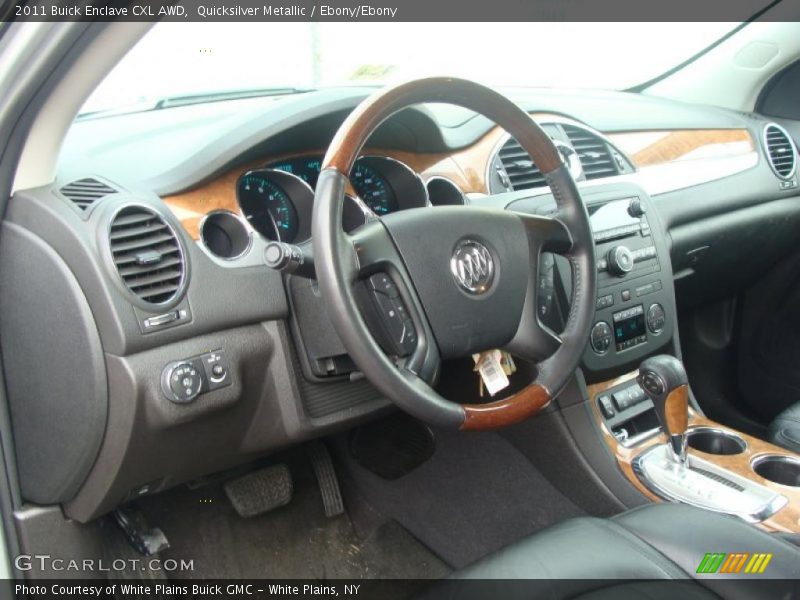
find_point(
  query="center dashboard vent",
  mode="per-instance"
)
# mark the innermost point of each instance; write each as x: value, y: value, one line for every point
x: 83, y: 193
x: 593, y: 152
x: 780, y: 151
x: 598, y: 159
x: 522, y: 173
x: 147, y: 254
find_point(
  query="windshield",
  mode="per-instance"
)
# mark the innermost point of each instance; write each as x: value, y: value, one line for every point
x: 204, y: 59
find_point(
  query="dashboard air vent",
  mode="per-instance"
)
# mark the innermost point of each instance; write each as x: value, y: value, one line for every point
x: 522, y: 173
x: 593, y: 152
x: 85, y: 192
x: 147, y: 254
x: 780, y: 151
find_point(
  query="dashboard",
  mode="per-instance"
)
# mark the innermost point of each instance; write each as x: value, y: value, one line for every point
x: 151, y: 245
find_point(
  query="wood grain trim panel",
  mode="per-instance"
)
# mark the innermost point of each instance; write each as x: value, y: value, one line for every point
x: 220, y: 194
x: 501, y: 413
x: 787, y: 519
x: 676, y: 409
x: 467, y: 167
x: 649, y: 148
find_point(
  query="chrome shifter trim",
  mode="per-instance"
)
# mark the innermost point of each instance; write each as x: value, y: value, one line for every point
x: 735, y: 495
x: 678, y: 446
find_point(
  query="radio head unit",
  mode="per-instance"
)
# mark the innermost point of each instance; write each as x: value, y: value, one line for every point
x: 635, y: 300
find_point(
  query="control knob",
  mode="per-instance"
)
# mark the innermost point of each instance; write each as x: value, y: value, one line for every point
x: 620, y: 260
x: 601, y: 337
x: 636, y: 208
x: 181, y: 382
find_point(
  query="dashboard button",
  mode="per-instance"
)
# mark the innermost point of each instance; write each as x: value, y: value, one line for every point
x: 606, y: 407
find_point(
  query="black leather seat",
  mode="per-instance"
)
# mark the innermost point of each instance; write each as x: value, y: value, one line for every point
x: 785, y: 429
x: 661, y: 546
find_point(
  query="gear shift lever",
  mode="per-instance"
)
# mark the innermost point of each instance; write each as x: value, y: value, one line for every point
x: 663, y: 378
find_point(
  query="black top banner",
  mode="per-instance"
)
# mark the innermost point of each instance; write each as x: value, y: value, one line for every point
x: 399, y: 10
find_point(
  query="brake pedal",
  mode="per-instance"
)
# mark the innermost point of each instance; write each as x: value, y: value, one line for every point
x: 326, y: 478
x: 146, y: 540
x: 260, y: 491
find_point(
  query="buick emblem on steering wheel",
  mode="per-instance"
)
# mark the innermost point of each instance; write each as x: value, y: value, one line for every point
x: 472, y: 267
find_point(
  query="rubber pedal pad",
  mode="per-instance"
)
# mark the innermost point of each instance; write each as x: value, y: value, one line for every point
x: 322, y: 463
x: 260, y: 491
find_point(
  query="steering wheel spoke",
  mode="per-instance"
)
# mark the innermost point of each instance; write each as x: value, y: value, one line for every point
x: 546, y: 234
x: 389, y: 302
x: 374, y: 249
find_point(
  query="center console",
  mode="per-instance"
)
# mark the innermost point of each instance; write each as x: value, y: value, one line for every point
x: 725, y: 470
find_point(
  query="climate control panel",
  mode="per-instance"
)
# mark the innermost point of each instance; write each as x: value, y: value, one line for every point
x: 182, y: 381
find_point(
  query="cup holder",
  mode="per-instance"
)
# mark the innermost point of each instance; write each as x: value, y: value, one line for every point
x: 225, y: 235
x: 716, y: 441
x: 777, y: 468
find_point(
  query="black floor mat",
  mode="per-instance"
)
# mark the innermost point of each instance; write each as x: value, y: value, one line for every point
x: 475, y: 495
x: 294, y: 541
x: 393, y: 446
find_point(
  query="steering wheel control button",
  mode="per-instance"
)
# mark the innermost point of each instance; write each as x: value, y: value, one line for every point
x: 620, y: 260
x: 656, y: 318
x: 472, y: 267
x: 601, y: 337
x: 383, y: 284
x: 182, y: 382
x: 395, y: 330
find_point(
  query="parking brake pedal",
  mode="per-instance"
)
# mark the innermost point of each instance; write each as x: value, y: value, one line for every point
x: 326, y: 478
x: 145, y: 539
x: 260, y: 491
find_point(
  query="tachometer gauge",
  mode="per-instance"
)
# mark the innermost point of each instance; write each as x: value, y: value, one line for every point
x: 373, y: 188
x: 267, y: 207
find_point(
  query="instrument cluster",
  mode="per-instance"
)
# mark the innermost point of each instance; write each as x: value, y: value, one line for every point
x: 277, y: 200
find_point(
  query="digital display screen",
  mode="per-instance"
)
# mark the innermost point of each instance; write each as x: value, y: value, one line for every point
x: 630, y: 328
x: 611, y: 215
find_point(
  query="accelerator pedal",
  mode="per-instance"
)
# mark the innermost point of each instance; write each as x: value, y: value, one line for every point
x: 260, y: 491
x: 326, y: 478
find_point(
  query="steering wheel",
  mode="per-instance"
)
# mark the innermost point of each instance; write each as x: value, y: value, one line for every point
x: 467, y: 275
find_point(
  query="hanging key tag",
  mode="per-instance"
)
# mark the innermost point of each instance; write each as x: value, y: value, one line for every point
x: 509, y: 368
x: 490, y: 368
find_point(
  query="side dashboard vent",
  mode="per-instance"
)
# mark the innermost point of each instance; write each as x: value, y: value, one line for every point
x: 522, y: 173
x: 147, y: 254
x: 83, y: 193
x: 780, y: 151
x: 593, y: 152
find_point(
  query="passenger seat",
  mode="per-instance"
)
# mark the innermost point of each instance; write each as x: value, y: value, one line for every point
x: 784, y: 431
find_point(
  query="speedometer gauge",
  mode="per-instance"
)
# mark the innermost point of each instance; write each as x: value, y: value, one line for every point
x: 267, y: 207
x: 373, y: 189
